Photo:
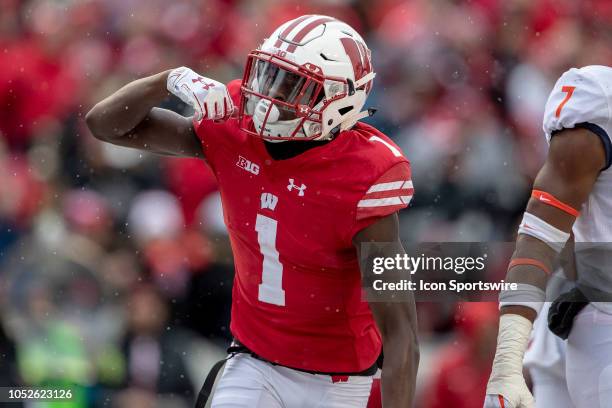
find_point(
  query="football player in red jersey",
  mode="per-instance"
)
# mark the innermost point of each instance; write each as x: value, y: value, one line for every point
x: 303, y: 184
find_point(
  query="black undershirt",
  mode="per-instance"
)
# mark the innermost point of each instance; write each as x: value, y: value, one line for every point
x: 289, y: 149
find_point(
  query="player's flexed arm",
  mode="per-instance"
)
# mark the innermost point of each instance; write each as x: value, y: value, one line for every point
x: 579, y: 151
x: 129, y: 117
x: 396, y: 321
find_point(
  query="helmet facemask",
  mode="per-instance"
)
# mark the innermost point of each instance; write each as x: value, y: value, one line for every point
x: 284, y: 101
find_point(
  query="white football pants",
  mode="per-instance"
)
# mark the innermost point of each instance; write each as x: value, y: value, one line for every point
x: 251, y: 383
x: 545, y: 360
x: 589, y: 359
x: 550, y: 390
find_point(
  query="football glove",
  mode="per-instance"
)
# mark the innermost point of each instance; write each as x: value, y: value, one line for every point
x: 208, y: 98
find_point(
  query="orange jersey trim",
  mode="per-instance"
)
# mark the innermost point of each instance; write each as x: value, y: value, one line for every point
x: 530, y: 262
x: 549, y: 199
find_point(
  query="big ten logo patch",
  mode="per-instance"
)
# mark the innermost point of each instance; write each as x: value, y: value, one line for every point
x: 247, y: 165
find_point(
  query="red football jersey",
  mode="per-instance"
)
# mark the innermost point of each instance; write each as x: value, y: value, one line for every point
x: 297, y: 298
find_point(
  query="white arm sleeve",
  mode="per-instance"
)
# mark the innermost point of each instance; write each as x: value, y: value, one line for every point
x: 582, y: 98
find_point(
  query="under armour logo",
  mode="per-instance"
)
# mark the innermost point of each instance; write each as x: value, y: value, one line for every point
x: 201, y: 80
x: 302, y: 110
x: 269, y: 201
x: 292, y: 186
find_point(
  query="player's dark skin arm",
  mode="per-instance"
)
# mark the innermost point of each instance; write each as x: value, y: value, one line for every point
x: 129, y: 118
x: 574, y: 161
x: 396, y: 320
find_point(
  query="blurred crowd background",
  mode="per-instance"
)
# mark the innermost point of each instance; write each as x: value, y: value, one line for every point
x: 115, y: 271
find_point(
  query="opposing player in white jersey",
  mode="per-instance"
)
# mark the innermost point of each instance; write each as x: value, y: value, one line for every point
x: 572, y: 193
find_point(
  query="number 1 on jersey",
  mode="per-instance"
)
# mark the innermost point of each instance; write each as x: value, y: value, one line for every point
x: 271, y: 286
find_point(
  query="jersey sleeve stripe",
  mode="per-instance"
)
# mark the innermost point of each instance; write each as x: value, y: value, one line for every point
x: 406, y: 199
x: 388, y: 194
x: 384, y: 202
x: 392, y: 185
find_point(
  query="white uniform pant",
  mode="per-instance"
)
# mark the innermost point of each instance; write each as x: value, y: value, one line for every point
x: 589, y: 359
x: 251, y: 383
x: 545, y: 360
x: 587, y: 379
x: 550, y: 390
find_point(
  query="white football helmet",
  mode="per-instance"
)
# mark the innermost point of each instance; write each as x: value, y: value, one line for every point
x: 308, y: 81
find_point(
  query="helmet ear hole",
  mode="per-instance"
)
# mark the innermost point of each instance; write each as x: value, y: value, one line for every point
x: 345, y: 110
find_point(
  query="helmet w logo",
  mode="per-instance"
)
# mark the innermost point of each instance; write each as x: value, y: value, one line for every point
x: 360, y: 57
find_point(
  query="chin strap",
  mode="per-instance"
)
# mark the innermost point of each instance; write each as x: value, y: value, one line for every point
x: 364, y: 79
x: 349, y: 123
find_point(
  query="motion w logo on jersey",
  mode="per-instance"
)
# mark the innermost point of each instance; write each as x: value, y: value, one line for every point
x: 248, y: 165
x: 268, y: 201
